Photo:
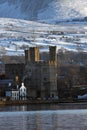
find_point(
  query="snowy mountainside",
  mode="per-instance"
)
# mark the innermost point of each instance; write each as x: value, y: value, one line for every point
x: 16, y: 35
x: 43, y: 10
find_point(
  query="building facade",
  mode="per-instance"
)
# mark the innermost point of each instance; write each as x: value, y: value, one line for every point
x: 23, y: 92
x: 40, y: 76
x: 20, y: 93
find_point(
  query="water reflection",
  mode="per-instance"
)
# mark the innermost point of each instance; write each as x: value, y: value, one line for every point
x: 35, y: 107
x: 44, y: 120
x: 44, y: 117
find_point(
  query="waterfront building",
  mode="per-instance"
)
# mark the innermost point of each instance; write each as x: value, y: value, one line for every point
x: 12, y: 94
x: 23, y: 92
x: 17, y: 93
x: 40, y: 76
x: 5, y: 84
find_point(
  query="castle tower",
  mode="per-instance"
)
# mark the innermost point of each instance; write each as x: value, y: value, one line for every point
x: 27, y: 56
x: 52, y: 54
x: 32, y: 55
x: 53, y: 71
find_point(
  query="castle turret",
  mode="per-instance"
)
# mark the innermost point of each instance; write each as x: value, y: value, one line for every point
x: 52, y: 54
x: 27, y: 56
x: 32, y: 55
x: 53, y: 71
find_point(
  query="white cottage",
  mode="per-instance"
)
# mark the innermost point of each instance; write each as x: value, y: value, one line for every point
x: 23, y: 92
x: 13, y: 94
x: 18, y: 93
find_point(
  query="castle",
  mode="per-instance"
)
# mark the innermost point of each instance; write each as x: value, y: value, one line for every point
x: 39, y: 76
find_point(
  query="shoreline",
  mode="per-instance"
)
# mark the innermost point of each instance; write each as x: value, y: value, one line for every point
x: 21, y: 102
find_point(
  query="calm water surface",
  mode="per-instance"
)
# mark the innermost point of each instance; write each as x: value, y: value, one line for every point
x: 36, y: 117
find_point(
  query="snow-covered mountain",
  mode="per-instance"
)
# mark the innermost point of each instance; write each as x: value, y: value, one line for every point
x: 43, y: 10
x: 17, y: 35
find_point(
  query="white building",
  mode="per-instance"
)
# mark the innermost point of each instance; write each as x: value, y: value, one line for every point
x: 17, y: 94
x: 13, y: 94
x: 22, y: 92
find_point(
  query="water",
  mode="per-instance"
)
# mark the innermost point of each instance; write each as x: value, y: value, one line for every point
x: 44, y: 117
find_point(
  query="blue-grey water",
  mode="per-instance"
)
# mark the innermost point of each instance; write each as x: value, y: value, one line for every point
x: 44, y: 117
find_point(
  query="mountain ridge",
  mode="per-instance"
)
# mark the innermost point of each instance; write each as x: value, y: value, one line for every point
x: 49, y: 11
